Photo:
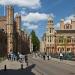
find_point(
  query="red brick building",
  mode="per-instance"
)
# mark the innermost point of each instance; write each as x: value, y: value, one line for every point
x: 16, y: 39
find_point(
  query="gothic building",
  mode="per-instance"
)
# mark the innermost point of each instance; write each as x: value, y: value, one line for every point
x: 15, y: 37
x: 60, y: 40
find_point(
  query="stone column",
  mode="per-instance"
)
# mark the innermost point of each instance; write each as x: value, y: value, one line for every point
x: 18, y: 23
x: 18, y: 26
x: 10, y: 17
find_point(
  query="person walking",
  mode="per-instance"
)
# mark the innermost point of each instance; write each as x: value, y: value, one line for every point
x: 9, y: 56
x: 43, y: 57
x: 26, y: 60
x: 20, y: 58
x: 61, y: 56
x: 48, y: 57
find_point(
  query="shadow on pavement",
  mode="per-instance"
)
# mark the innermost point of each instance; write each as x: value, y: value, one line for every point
x: 26, y: 71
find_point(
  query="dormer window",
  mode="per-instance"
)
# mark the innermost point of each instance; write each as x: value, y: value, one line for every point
x: 50, y: 21
x: 50, y: 30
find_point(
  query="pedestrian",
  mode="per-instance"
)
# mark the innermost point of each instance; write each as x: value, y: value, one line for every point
x: 48, y: 57
x: 9, y: 56
x: 43, y: 57
x: 17, y: 57
x: 61, y: 56
x: 20, y: 56
x: 26, y: 60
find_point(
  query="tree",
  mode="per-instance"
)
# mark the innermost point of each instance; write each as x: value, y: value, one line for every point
x: 35, y: 41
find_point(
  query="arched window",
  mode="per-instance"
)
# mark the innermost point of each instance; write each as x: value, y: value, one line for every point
x: 67, y: 26
x: 58, y: 49
x: 50, y: 30
x: 68, y: 39
x: 51, y: 21
x: 61, y: 39
x: 50, y: 38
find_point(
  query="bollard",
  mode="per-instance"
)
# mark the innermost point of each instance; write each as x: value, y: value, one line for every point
x: 5, y: 68
x: 21, y: 66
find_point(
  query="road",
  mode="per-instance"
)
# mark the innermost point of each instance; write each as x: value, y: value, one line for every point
x: 50, y: 67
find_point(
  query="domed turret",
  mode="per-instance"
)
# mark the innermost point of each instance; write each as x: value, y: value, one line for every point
x: 73, y: 18
x: 62, y: 24
x: 50, y: 20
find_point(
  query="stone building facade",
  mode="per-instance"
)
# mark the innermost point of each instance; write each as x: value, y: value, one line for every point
x: 15, y: 37
x: 61, y: 40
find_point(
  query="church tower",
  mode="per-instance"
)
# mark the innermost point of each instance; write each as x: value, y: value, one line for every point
x: 18, y: 23
x: 50, y: 35
x: 10, y: 19
x: 18, y: 26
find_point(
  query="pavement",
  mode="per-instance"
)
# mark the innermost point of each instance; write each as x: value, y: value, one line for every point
x: 15, y: 67
x: 37, y: 66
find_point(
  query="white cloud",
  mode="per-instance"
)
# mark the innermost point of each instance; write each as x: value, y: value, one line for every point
x: 24, y: 3
x: 66, y: 20
x: 16, y: 14
x: 23, y: 12
x: 52, y: 15
x: 30, y: 25
x: 35, y: 17
x: 33, y: 27
x: 31, y: 20
x: 57, y: 26
x: 26, y: 24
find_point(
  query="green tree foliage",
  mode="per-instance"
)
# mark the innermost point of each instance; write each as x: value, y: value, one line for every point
x: 35, y: 41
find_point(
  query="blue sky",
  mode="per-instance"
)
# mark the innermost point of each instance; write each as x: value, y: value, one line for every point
x: 35, y: 13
